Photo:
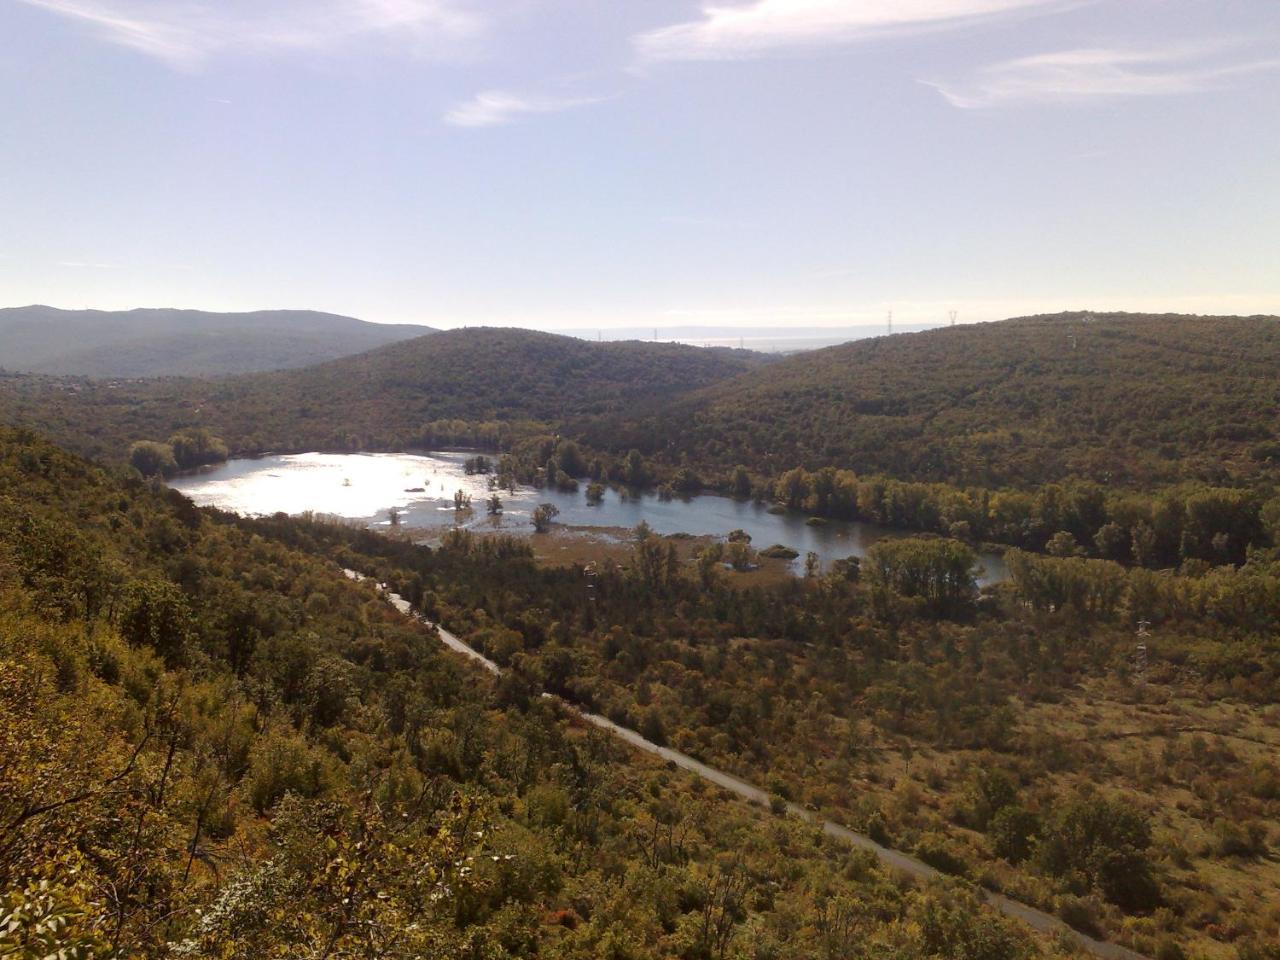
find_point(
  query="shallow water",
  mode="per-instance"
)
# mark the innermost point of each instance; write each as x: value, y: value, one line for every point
x: 365, y: 486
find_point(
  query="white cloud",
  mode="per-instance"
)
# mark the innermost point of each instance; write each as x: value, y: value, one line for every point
x: 766, y: 26
x: 494, y: 107
x: 185, y: 33
x: 1096, y: 73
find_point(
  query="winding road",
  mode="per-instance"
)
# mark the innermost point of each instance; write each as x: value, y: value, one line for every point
x: 1034, y: 918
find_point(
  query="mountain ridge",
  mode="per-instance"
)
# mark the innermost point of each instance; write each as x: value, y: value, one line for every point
x: 164, y: 341
x: 380, y: 399
x: 1128, y: 398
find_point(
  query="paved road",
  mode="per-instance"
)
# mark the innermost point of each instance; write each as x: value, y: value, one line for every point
x: 1036, y: 919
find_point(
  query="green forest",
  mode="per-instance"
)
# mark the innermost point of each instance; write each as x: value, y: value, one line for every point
x: 385, y: 399
x: 1132, y: 400
x: 1142, y: 439
x: 219, y: 744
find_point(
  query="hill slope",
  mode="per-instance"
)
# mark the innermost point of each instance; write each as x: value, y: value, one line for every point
x: 193, y: 343
x: 216, y: 744
x: 380, y: 399
x: 1125, y: 398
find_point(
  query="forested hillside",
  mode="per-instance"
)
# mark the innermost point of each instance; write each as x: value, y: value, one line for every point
x: 190, y: 700
x: 384, y: 399
x: 216, y: 745
x: 191, y: 343
x: 1015, y: 737
x: 1132, y: 400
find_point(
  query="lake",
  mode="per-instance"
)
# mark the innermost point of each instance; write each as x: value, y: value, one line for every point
x: 366, y: 486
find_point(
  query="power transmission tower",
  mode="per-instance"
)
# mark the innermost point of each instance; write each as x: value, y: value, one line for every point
x: 890, y: 324
x: 953, y: 314
x: 1140, y: 655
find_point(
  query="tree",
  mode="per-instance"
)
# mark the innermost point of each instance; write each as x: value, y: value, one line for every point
x: 461, y: 501
x: 152, y: 459
x: 812, y: 564
x: 739, y: 554
x: 637, y: 473
x: 1113, y: 542
x: 1013, y: 830
x: 941, y: 572
x: 543, y: 514
x: 687, y: 482
x: 1063, y: 544
x: 793, y: 488
x: 156, y: 614
x: 195, y: 447
x: 1105, y: 843
x: 495, y: 505
x: 569, y: 458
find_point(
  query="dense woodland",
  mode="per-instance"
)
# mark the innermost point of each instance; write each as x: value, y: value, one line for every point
x: 1013, y: 738
x: 216, y: 745
x: 382, y: 400
x: 1142, y: 439
x: 190, y: 699
x: 1131, y: 400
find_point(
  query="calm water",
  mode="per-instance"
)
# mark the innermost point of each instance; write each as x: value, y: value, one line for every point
x: 366, y: 486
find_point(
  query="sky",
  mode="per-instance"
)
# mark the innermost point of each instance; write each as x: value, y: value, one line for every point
x: 584, y: 164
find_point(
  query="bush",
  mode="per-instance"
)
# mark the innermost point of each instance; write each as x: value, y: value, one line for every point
x: 1233, y: 839
x: 938, y: 853
x: 1080, y: 913
x: 547, y: 805
x: 779, y: 552
x: 283, y: 762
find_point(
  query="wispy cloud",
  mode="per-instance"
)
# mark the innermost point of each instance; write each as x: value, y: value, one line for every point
x: 1097, y: 73
x: 494, y: 107
x: 769, y: 26
x: 185, y: 33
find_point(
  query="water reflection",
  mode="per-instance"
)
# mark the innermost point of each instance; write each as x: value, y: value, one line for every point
x: 421, y: 488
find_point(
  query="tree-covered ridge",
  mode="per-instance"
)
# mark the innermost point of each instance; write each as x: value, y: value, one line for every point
x: 193, y: 343
x: 1133, y: 400
x: 379, y: 400
x: 214, y: 744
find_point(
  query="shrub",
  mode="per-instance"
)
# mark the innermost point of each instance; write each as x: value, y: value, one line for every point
x: 938, y: 853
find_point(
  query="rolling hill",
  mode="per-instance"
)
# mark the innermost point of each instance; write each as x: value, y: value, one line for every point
x: 1128, y: 399
x: 189, y: 343
x: 380, y: 399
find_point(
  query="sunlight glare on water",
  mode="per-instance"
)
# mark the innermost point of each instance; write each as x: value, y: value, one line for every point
x: 353, y: 486
x: 364, y: 487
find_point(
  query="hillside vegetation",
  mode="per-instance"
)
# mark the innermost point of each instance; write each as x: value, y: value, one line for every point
x: 1131, y: 400
x: 383, y: 399
x: 217, y: 745
x: 191, y: 343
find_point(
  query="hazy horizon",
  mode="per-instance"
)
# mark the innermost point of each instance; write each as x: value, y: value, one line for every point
x: 764, y: 163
